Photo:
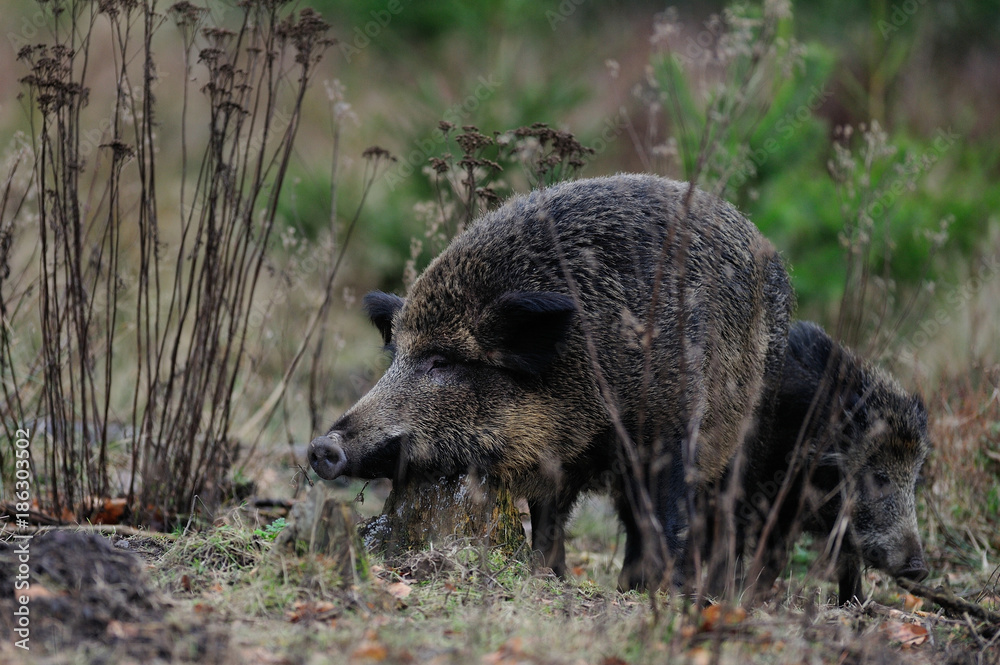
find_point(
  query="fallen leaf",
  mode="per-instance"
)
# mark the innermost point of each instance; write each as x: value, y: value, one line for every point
x: 912, y: 603
x: 507, y: 653
x: 735, y: 615
x: 122, y: 631
x: 316, y: 610
x: 370, y: 651
x: 578, y: 571
x: 399, y: 590
x: 907, y: 634
x: 110, y: 511
x: 699, y: 656
x: 721, y: 615
x: 36, y: 591
x: 710, y: 616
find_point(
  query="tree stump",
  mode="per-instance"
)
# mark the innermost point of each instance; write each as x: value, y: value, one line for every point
x: 417, y: 516
x: 325, y: 526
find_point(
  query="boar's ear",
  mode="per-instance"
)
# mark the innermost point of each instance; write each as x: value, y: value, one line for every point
x: 524, y: 329
x: 914, y: 425
x: 380, y: 308
x: 919, y: 411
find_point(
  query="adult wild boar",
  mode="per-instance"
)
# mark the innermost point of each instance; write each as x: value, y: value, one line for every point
x: 524, y: 354
x: 849, y: 443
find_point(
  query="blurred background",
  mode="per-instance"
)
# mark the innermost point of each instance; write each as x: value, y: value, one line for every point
x: 864, y: 141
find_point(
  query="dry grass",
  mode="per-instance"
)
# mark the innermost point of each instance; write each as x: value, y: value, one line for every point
x: 462, y: 604
x: 233, y: 603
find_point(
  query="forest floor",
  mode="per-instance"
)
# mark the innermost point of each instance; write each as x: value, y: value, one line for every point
x: 226, y: 593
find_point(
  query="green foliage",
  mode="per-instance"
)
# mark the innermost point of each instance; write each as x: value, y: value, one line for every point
x: 803, y: 552
x: 800, y: 210
x: 749, y: 126
x: 993, y: 501
x: 271, y: 531
x: 305, y: 205
x: 729, y: 86
x: 198, y: 560
x: 431, y: 21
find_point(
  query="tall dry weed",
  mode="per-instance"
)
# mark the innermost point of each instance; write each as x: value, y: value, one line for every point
x: 170, y: 271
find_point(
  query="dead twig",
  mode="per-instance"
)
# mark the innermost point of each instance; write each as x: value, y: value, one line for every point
x: 7, y: 530
x: 956, y: 607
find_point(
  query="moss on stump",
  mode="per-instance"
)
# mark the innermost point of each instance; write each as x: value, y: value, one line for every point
x: 325, y: 526
x: 418, y: 515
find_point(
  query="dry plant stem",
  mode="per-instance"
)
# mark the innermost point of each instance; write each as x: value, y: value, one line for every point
x: 148, y: 278
x: 858, y: 195
x: 12, y: 391
x: 252, y: 427
x: 744, y: 84
x: 957, y: 607
x: 104, y: 529
x: 642, y: 503
x: 994, y: 580
x: 234, y: 185
x: 71, y: 398
x: 314, y: 370
x: 190, y: 336
x: 801, y: 451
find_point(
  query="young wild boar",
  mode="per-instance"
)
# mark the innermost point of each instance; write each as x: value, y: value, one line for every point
x: 854, y: 442
x: 521, y: 354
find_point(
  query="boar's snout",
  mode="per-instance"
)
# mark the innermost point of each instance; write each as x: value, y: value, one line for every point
x: 915, y: 569
x: 326, y: 456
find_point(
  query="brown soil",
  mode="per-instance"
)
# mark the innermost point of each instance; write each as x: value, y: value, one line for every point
x: 94, y: 598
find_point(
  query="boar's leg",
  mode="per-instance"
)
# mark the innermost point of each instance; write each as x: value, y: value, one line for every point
x: 719, y: 543
x: 849, y: 573
x: 670, y: 504
x: 641, y: 569
x: 547, y: 533
x: 773, y: 556
x: 761, y: 503
x: 762, y: 573
x: 646, y: 534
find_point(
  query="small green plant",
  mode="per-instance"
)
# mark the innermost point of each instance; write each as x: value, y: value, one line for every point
x: 993, y: 501
x: 271, y: 531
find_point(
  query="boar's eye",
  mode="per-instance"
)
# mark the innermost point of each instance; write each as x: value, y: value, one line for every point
x: 880, y: 485
x: 438, y: 366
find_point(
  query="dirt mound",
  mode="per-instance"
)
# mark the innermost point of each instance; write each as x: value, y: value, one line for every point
x: 81, y: 588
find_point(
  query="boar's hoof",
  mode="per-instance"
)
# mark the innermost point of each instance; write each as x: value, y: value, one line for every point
x: 326, y: 457
x: 915, y: 570
x: 642, y: 575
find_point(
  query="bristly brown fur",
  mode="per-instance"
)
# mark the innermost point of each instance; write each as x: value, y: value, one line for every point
x: 592, y: 334
x: 848, y: 442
